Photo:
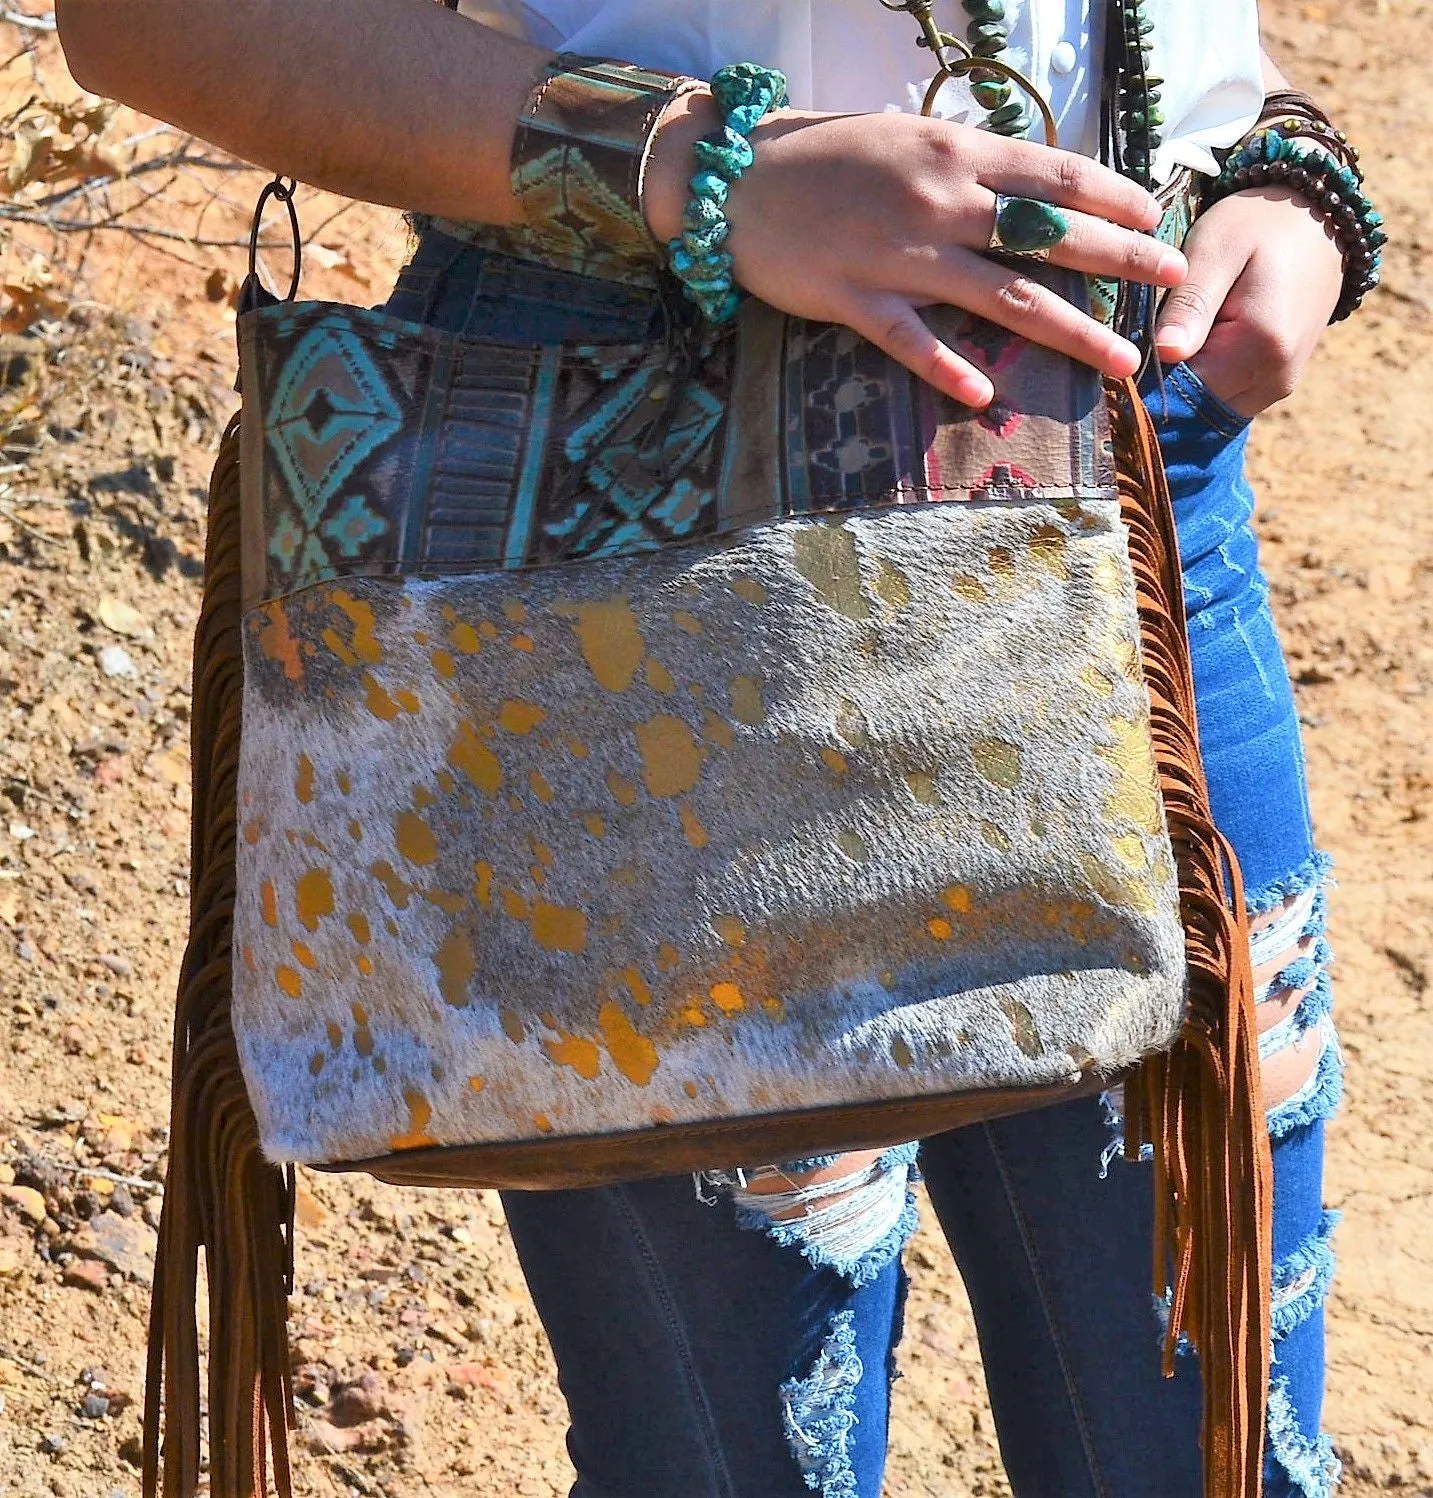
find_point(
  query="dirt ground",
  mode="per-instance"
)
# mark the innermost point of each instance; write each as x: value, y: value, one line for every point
x: 421, y: 1367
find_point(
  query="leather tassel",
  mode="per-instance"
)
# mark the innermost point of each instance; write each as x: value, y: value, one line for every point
x: 222, y: 1196
x: 1200, y: 1105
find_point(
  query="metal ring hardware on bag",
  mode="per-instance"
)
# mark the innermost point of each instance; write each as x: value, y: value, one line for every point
x: 282, y: 188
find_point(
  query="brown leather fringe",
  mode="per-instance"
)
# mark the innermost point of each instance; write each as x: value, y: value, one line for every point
x: 221, y: 1195
x: 1200, y: 1105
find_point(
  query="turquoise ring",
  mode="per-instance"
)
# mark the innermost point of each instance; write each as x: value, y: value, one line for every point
x: 1026, y: 227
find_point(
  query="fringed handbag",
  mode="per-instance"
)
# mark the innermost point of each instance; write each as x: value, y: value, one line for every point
x: 618, y: 755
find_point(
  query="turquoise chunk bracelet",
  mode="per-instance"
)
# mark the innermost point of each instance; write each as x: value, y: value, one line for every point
x: 744, y: 93
x: 1332, y: 189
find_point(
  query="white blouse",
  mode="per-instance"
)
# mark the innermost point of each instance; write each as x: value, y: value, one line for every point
x: 855, y: 56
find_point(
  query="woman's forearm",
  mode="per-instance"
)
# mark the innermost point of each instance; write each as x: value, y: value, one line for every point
x: 391, y: 101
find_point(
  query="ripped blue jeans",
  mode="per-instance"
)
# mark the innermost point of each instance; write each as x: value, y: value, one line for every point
x: 735, y: 1337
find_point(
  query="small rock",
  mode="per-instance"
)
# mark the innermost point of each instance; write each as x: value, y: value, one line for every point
x: 121, y: 1201
x: 116, y: 661
x: 28, y: 1202
x: 9, y: 1260
x: 86, y: 1274
x: 94, y: 1406
x: 311, y: 1384
x: 7, y: 1175
x: 330, y: 1440
x: 472, y: 1376
x: 359, y: 1402
x: 309, y: 1212
x: 125, y: 1244
x: 22, y: 832
x: 121, y: 967
x: 111, y: 769
x: 52, y: 1445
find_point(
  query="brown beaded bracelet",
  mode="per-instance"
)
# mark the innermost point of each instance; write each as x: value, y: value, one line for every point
x: 1295, y: 114
x: 1329, y: 184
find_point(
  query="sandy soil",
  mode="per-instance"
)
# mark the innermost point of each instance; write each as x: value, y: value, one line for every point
x: 420, y: 1364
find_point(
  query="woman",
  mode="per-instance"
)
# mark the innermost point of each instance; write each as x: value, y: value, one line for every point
x: 735, y: 1340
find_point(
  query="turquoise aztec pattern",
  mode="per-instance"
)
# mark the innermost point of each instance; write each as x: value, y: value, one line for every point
x: 389, y: 448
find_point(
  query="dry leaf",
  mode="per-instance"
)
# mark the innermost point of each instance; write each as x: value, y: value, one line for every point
x: 219, y: 285
x: 335, y: 257
x: 32, y: 295
x: 118, y: 616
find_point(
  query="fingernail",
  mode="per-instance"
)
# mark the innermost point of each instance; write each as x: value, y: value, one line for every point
x: 1172, y: 268
x: 1172, y: 340
x: 1124, y: 358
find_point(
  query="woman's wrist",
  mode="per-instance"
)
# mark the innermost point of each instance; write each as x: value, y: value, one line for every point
x: 690, y: 117
x: 1327, y: 183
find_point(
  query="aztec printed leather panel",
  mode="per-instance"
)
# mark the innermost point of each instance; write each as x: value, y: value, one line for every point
x: 392, y: 448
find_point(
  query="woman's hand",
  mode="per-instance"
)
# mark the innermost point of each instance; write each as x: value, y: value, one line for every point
x: 862, y: 219
x: 1264, y: 278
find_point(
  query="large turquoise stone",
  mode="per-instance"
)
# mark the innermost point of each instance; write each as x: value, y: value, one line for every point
x: 1026, y: 225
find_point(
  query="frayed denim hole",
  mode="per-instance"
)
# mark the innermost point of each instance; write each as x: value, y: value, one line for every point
x: 1112, y: 1103
x: 1318, y: 1098
x: 1310, y: 1465
x: 1301, y: 1281
x: 1290, y: 924
x: 1314, y: 870
x: 1315, y: 1006
x: 856, y: 1234
x: 818, y: 1413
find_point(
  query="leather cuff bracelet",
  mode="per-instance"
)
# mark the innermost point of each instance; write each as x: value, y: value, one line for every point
x: 579, y: 160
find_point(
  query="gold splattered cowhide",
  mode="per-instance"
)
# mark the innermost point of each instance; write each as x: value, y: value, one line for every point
x: 806, y: 765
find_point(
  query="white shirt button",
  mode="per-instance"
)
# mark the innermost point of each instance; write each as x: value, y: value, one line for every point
x: 1063, y: 58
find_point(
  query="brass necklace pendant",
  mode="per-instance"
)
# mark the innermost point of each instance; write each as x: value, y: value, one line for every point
x: 958, y: 59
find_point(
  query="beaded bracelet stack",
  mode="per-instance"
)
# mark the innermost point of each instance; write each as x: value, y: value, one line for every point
x: 744, y: 93
x: 1332, y: 188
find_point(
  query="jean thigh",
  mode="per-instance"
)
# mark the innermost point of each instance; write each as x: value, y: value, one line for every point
x: 1248, y: 721
x: 1055, y: 1255
x: 700, y: 1358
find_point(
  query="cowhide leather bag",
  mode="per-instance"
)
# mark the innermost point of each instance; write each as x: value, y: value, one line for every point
x: 622, y: 756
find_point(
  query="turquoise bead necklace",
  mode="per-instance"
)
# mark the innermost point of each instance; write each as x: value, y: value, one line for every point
x: 1137, y: 99
x: 988, y: 37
